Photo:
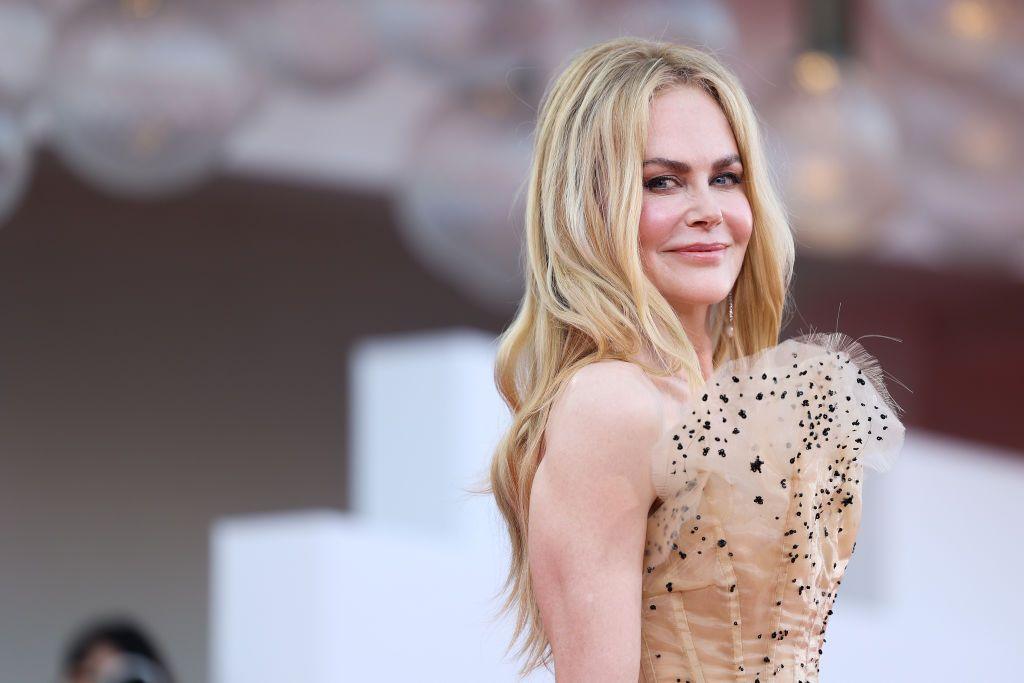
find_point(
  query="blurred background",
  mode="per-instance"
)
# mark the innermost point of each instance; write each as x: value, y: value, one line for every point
x: 254, y: 255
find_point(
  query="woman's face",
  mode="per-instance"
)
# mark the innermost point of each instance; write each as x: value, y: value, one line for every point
x: 693, y: 193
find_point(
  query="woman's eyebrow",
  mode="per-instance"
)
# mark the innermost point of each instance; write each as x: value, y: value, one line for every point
x: 683, y: 167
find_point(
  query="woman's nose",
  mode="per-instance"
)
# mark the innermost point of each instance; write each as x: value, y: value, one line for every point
x: 704, y: 212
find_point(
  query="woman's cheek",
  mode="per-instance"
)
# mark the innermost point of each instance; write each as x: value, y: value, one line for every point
x: 656, y: 221
x: 649, y: 239
x: 740, y: 220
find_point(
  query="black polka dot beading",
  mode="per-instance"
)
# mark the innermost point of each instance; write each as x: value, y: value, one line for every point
x: 762, y: 477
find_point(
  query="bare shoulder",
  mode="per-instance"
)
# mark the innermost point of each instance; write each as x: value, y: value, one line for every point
x: 607, y: 418
x: 608, y: 393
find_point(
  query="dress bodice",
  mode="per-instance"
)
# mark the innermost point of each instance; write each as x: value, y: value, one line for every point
x: 760, y: 486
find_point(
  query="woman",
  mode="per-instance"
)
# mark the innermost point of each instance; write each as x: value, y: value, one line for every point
x: 681, y: 490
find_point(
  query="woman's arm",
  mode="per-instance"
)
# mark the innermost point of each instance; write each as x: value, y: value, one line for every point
x: 588, y: 521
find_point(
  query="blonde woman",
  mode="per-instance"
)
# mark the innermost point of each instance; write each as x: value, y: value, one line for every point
x: 681, y: 490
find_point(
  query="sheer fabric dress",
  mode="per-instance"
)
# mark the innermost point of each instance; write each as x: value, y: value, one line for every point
x: 760, y: 502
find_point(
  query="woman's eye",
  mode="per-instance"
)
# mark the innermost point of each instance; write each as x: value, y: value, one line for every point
x: 653, y: 183
x: 723, y: 180
x: 732, y: 179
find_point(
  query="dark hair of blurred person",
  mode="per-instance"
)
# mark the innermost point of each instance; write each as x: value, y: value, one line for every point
x: 113, y: 650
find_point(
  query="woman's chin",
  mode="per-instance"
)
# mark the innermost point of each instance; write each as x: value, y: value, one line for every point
x: 694, y: 299
x: 712, y: 290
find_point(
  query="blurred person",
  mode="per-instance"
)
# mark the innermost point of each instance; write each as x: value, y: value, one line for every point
x: 681, y: 489
x: 113, y: 650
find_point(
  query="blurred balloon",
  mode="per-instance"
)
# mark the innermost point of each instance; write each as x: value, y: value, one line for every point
x: 574, y: 25
x: 15, y: 160
x: 25, y: 40
x: 143, y: 96
x: 701, y: 23
x: 579, y: 24
x: 60, y: 8
x: 462, y: 201
x: 460, y: 38
x: 837, y: 146
x: 967, y: 161
x: 963, y: 150
x: 978, y: 38
x: 318, y: 44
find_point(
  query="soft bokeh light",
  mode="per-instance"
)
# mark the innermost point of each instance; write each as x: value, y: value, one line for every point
x: 459, y: 39
x: 576, y: 24
x: 26, y: 38
x: 308, y: 44
x: 461, y: 199
x: 143, y: 97
x: 837, y: 148
x: 703, y: 23
x: 983, y: 39
x: 816, y: 72
x: 971, y: 20
x: 966, y: 157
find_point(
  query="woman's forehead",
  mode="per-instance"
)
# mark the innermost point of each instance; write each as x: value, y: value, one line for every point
x: 688, y: 125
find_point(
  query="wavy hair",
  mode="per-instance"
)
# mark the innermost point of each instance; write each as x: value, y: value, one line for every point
x: 587, y: 297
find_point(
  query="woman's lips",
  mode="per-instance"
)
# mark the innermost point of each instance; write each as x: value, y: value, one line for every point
x: 702, y: 254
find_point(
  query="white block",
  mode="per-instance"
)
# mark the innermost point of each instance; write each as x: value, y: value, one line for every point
x: 323, y: 597
x: 425, y: 419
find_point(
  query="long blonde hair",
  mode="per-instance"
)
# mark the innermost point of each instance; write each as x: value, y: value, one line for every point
x: 587, y: 297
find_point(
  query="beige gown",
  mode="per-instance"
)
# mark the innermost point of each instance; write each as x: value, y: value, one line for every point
x: 760, y: 486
